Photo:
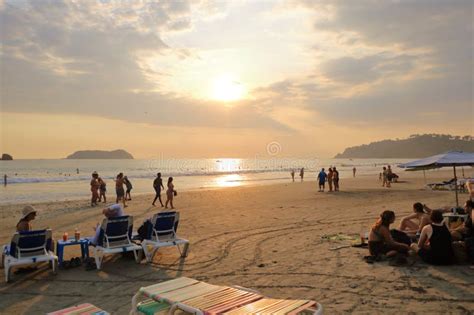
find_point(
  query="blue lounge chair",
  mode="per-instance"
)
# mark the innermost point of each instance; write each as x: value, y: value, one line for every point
x: 115, y: 237
x: 28, y: 248
x: 163, y: 234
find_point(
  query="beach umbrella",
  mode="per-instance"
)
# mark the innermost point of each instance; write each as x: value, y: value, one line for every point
x: 449, y: 159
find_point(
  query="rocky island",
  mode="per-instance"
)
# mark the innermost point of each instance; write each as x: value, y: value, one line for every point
x: 416, y: 146
x: 6, y: 157
x: 98, y: 154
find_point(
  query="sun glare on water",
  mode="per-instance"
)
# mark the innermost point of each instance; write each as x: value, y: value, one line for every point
x: 227, y: 89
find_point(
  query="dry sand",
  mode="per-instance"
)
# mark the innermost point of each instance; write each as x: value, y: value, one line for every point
x: 267, y: 238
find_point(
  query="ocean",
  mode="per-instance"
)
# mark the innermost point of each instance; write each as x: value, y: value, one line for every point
x: 32, y: 181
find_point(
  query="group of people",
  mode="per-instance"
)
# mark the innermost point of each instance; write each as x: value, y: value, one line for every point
x: 387, y: 176
x: 292, y: 173
x: 331, y: 177
x: 99, y: 188
x: 422, y: 233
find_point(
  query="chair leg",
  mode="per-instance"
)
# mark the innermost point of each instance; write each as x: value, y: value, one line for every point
x: 185, y: 250
x: 98, y: 255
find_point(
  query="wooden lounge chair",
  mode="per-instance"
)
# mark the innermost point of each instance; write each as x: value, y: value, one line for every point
x: 82, y: 309
x: 189, y: 296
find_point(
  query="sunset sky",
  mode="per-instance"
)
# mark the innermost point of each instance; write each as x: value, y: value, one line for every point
x: 226, y: 78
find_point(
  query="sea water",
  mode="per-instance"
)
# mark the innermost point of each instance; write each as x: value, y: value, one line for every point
x: 51, y: 180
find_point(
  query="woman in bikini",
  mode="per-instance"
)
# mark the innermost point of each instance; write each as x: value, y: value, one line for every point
x: 170, y: 193
x: 414, y: 223
x: 380, y: 240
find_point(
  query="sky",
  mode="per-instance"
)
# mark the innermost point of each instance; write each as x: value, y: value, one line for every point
x: 299, y: 78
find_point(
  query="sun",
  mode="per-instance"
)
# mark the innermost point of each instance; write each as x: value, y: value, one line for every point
x: 226, y: 88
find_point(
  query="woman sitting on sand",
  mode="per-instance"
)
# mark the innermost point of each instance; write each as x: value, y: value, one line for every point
x: 380, y: 240
x: 414, y: 223
x: 435, y: 244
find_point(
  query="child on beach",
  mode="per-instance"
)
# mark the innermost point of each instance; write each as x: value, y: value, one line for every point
x: 302, y: 173
x: 170, y: 193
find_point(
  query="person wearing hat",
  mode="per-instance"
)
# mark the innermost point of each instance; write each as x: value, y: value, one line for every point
x: 95, y: 185
x: 28, y: 215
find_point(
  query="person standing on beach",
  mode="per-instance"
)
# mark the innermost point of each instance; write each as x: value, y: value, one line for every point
x: 384, y: 177
x: 335, y: 178
x: 129, y: 186
x: 5, y: 179
x: 302, y: 173
x: 94, y: 188
x: 293, y: 175
x: 354, y: 170
x: 330, y: 178
x: 170, y: 193
x: 322, y: 176
x: 119, y: 189
x: 157, y: 185
x: 102, y: 189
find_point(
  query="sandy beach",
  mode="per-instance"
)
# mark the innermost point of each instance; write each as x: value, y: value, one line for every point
x: 268, y: 238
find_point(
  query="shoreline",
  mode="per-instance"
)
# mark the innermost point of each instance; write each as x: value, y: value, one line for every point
x: 271, y: 238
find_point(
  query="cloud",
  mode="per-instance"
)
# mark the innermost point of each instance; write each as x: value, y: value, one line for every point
x: 84, y: 58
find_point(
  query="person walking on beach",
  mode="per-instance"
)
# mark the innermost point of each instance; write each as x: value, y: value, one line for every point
x: 292, y: 175
x: 330, y: 176
x: 302, y: 173
x: 335, y: 178
x: 129, y: 186
x: 157, y: 185
x: 354, y: 170
x: 119, y: 189
x: 322, y: 176
x: 94, y: 188
x: 170, y: 193
x: 102, y: 189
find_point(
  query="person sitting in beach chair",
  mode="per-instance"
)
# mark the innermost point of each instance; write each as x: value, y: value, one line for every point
x: 111, y: 211
x: 414, y: 223
x: 163, y: 234
x: 28, y: 247
x: 380, y: 239
x: 114, y: 236
x: 435, y: 244
x: 28, y: 215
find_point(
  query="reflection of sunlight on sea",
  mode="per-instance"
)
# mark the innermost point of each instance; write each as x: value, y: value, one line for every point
x: 228, y: 165
x: 232, y: 180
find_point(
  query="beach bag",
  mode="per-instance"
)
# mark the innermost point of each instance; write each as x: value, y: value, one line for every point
x: 145, y: 230
x: 400, y: 237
